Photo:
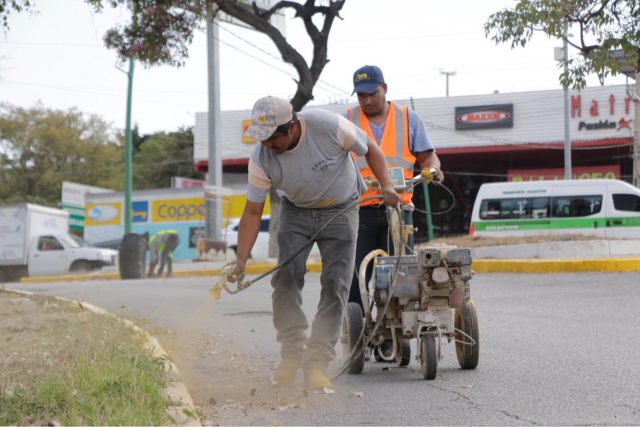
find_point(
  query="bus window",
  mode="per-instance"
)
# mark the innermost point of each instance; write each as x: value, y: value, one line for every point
x: 490, y: 209
x: 505, y: 209
x: 515, y: 209
x: 626, y: 202
x: 540, y: 207
x: 574, y: 206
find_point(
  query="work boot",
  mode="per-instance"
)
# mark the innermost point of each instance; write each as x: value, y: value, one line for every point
x: 315, y: 377
x: 287, y: 372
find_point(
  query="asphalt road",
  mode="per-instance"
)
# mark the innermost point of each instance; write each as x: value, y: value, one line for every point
x: 555, y: 349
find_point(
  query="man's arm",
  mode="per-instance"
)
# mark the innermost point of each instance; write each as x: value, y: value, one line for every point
x: 429, y: 159
x: 378, y: 164
x: 247, y: 234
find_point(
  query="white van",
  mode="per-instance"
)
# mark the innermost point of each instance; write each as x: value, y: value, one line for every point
x: 599, y: 207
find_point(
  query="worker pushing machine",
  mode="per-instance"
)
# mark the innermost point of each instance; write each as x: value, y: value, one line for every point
x: 306, y: 157
x: 161, y: 245
x: 403, y: 139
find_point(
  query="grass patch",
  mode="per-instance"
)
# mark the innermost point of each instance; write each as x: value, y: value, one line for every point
x: 63, y: 365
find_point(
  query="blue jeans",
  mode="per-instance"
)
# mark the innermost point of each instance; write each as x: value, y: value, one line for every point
x: 337, y: 249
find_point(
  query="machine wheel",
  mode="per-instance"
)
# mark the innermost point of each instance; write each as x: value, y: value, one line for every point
x: 428, y: 356
x: 353, y: 327
x: 80, y: 267
x: 466, y: 319
x: 403, y: 352
x: 384, y: 352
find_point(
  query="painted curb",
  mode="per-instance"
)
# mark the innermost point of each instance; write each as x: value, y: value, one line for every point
x: 479, y: 266
x: 555, y: 265
x: 314, y: 267
x: 183, y: 411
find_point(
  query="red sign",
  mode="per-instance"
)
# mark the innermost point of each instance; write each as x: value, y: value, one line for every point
x: 583, y: 172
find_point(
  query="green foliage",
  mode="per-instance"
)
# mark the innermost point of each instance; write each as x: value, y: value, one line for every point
x: 41, y: 147
x: 161, y: 156
x: 597, y: 28
x: 109, y: 379
x: 6, y: 6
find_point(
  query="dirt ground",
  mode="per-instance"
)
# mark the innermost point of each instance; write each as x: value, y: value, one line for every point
x: 34, y: 334
x: 227, y: 387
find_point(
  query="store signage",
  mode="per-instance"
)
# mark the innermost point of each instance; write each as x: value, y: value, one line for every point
x: 484, y: 117
x: 581, y: 172
x: 245, y: 138
x: 613, y: 108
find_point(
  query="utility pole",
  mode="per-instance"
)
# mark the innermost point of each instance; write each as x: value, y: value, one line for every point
x: 567, y: 135
x: 128, y: 153
x: 214, y: 174
x: 636, y: 132
x: 447, y: 74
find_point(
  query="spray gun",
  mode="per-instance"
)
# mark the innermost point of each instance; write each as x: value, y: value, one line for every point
x: 227, y: 276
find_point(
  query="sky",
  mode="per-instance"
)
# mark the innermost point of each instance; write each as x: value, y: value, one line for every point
x: 56, y: 57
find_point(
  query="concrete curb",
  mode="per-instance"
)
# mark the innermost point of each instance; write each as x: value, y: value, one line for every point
x: 183, y: 411
x: 479, y: 266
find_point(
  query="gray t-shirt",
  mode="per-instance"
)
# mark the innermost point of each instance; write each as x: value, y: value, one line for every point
x: 319, y: 172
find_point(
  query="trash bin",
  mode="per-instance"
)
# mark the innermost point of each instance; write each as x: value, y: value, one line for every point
x: 131, y: 256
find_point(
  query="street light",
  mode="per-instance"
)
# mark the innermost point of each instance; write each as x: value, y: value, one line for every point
x: 447, y: 74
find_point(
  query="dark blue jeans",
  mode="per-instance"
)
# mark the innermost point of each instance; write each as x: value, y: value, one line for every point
x: 373, y: 233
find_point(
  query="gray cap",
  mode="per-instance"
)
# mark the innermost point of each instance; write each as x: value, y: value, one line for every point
x: 268, y: 113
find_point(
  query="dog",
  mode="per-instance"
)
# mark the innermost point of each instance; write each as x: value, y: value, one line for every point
x: 205, y: 245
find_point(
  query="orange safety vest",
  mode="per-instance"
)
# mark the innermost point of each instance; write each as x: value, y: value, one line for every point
x: 394, y: 145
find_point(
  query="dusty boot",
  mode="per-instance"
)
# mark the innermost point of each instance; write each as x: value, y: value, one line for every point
x: 315, y: 377
x: 287, y: 372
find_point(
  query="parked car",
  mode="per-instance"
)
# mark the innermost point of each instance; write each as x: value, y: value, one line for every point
x: 260, y: 249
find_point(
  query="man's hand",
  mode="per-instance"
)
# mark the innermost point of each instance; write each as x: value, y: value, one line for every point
x: 391, y: 198
x: 236, y: 274
x: 432, y: 174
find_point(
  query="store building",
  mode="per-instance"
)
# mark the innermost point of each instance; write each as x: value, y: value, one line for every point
x: 484, y: 138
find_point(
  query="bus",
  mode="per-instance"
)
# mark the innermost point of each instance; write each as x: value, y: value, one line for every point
x: 602, y: 208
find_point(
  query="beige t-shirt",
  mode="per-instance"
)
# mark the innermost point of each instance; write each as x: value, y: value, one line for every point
x: 319, y: 172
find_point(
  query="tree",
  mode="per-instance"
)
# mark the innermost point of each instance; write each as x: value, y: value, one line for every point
x: 163, y: 155
x: 41, y: 147
x: 7, y: 6
x: 601, y: 30
x: 160, y: 32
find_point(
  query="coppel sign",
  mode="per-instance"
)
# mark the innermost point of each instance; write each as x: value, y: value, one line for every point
x: 178, y: 210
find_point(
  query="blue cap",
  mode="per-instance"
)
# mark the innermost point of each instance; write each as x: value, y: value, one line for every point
x: 366, y: 79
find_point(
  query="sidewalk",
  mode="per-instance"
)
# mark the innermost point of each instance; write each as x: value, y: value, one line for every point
x: 552, y: 257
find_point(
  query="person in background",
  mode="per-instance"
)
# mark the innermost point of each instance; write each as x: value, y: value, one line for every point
x: 161, y: 245
x: 307, y: 158
x: 402, y: 137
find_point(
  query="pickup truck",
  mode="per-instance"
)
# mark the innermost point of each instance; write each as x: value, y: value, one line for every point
x: 34, y: 241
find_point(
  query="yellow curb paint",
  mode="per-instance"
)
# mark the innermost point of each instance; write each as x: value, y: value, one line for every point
x: 555, y: 265
x: 479, y: 266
